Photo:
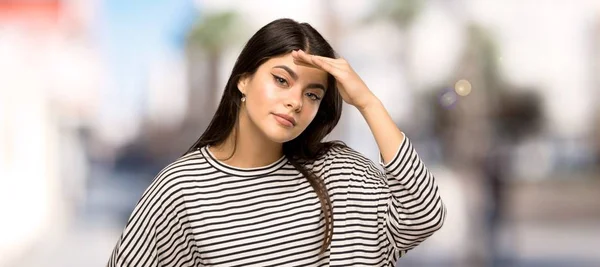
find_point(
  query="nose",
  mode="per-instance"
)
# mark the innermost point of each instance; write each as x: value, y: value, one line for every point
x: 294, y: 102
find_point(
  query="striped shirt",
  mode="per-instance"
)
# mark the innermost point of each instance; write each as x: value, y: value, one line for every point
x: 201, y: 212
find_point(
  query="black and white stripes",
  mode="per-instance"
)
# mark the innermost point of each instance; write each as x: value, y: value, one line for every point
x: 201, y: 212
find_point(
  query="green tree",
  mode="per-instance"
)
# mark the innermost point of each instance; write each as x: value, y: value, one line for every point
x: 209, y: 38
x: 401, y: 14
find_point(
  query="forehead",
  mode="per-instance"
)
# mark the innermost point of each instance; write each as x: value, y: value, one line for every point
x: 304, y: 73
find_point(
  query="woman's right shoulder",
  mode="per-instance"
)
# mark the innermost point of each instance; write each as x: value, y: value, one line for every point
x: 183, y: 169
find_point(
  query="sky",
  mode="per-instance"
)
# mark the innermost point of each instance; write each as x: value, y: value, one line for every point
x: 133, y: 35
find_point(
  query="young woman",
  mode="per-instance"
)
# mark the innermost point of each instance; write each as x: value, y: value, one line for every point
x: 261, y: 188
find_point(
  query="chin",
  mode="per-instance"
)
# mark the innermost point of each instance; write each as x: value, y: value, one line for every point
x: 280, y: 138
x: 280, y: 135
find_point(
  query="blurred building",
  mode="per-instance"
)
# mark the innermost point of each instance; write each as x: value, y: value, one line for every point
x: 29, y: 196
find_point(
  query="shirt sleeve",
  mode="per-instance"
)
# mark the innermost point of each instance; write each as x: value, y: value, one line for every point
x: 157, y: 233
x: 415, y: 209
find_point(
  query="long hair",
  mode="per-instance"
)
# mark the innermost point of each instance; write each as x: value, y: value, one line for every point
x: 277, y: 38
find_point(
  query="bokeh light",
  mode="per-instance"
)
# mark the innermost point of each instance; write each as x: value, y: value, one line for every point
x: 448, y: 98
x: 462, y: 87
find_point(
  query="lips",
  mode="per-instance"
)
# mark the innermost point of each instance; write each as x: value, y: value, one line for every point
x: 287, y: 118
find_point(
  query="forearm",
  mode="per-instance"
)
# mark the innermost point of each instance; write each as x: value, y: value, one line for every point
x: 384, y: 130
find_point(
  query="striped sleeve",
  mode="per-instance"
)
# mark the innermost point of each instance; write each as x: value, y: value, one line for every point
x: 157, y: 232
x: 415, y: 209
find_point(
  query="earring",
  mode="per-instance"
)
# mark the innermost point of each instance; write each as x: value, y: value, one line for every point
x: 243, y: 98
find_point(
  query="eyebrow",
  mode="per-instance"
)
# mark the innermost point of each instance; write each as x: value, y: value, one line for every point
x: 295, y: 77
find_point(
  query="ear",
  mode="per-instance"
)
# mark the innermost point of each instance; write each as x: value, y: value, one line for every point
x: 243, y: 83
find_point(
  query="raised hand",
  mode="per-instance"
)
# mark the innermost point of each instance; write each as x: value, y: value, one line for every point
x: 351, y: 87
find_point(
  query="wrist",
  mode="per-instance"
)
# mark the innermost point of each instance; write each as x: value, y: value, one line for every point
x: 372, y: 102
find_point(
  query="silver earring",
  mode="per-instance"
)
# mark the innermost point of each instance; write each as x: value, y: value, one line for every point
x: 244, y: 98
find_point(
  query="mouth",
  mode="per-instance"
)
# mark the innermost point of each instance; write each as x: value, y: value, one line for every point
x: 286, y: 120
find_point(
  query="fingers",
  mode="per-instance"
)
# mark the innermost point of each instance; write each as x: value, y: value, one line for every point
x: 303, y: 59
x: 330, y: 65
x: 307, y: 57
x: 326, y: 66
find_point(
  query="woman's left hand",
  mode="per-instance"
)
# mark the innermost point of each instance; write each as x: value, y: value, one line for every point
x: 352, y: 88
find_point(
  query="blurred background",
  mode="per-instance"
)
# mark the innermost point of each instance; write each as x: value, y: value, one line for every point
x: 499, y: 97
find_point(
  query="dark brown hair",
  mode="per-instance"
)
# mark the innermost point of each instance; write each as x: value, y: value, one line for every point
x: 277, y: 38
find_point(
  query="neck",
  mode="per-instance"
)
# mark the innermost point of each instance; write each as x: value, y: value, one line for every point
x: 247, y: 148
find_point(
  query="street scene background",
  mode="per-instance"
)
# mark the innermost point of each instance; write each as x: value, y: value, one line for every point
x: 498, y: 97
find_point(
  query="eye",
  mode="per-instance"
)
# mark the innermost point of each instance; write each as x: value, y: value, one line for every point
x: 313, y: 96
x: 280, y: 81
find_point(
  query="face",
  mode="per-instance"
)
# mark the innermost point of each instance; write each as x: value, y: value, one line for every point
x: 282, y: 98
